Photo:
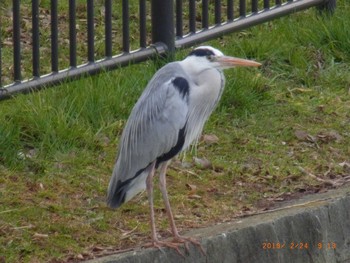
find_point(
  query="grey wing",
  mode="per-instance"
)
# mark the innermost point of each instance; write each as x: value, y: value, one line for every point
x: 155, y: 131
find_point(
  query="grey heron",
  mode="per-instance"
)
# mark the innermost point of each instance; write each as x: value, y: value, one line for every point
x: 167, y: 118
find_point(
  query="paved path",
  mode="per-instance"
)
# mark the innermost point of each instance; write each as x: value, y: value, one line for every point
x: 314, y: 229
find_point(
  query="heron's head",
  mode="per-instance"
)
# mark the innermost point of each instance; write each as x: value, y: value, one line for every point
x: 212, y: 57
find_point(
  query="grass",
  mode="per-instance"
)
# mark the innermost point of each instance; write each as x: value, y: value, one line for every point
x: 283, y: 130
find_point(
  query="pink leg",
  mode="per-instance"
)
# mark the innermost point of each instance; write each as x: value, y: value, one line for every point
x: 149, y: 187
x: 155, y: 242
x: 177, y: 237
x: 162, y: 186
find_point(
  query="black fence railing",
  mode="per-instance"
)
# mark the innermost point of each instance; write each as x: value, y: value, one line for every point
x: 132, y: 33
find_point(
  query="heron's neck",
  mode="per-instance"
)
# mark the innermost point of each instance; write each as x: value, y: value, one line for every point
x: 199, y: 72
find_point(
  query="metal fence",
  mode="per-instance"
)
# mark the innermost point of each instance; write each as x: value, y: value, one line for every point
x: 159, y: 27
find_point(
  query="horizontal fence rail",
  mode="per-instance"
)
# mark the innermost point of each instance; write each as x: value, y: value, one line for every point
x: 43, y: 46
x: 244, y: 20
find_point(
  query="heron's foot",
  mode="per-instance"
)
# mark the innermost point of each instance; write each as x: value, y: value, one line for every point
x: 170, y: 244
x: 186, y: 240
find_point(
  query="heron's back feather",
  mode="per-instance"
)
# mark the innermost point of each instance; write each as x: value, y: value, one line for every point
x: 155, y: 131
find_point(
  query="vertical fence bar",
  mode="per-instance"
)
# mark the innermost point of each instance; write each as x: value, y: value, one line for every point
x: 0, y: 59
x: 54, y: 36
x: 126, y: 32
x: 278, y: 2
x: 179, y: 20
x: 163, y: 24
x: 254, y: 6
x: 16, y: 41
x: 230, y: 10
x: 266, y: 4
x: 327, y: 6
x: 72, y: 35
x: 108, y: 28
x: 91, y: 30
x: 242, y: 8
x: 192, y: 16
x: 205, y: 14
x: 143, y: 29
x: 217, y: 11
x: 35, y: 38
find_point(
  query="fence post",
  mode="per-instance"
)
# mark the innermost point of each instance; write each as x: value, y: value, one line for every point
x: 163, y: 24
x: 328, y: 6
x: 0, y: 60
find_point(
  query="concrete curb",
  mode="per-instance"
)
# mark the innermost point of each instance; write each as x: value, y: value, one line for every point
x: 314, y: 229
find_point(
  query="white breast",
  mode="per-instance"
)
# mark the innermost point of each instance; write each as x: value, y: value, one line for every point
x: 205, y: 93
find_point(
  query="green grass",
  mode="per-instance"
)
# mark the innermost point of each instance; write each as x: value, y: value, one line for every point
x: 58, y: 146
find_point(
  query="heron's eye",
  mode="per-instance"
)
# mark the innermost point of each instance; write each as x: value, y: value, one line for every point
x: 210, y: 57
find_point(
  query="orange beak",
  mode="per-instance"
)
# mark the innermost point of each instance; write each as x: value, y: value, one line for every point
x: 229, y: 62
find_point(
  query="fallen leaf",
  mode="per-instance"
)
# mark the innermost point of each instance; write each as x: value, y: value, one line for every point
x: 97, y: 248
x: 192, y: 188
x: 186, y: 165
x: 210, y: 138
x: 197, y: 214
x: 194, y: 197
x: 40, y: 236
x: 275, y: 199
x: 103, y: 140
x: 301, y: 135
x: 329, y: 136
x: 321, y: 108
x: 346, y: 166
x: 301, y: 90
x: 203, y: 163
x: 252, y: 166
x: 212, y: 190
x: 7, y: 43
x: 126, y: 233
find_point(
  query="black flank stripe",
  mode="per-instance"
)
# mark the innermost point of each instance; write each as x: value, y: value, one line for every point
x: 181, y: 84
x: 122, y: 186
x: 175, y: 150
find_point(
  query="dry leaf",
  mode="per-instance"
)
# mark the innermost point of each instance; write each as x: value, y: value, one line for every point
x: 346, y: 166
x: 39, y: 236
x: 97, y: 248
x: 126, y: 233
x: 304, y: 136
x: 321, y: 108
x: 301, y: 135
x: 329, y: 136
x: 203, y: 163
x: 301, y: 90
x: 192, y: 188
x: 210, y: 138
x: 186, y: 165
x: 194, y: 197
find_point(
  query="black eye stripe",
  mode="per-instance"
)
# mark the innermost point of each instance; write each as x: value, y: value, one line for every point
x: 201, y: 52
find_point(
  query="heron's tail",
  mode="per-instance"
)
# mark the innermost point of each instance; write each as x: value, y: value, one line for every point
x: 116, y: 192
x: 121, y: 191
